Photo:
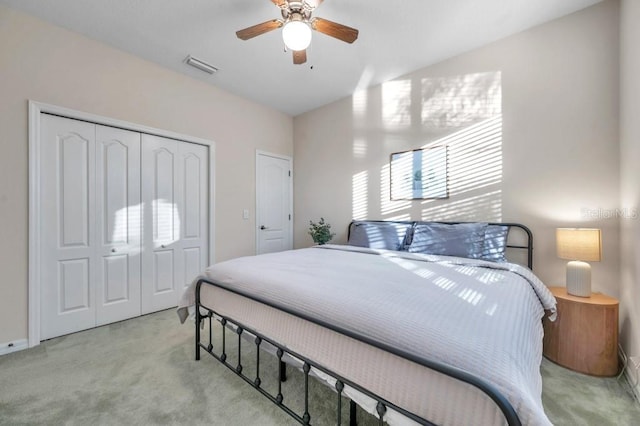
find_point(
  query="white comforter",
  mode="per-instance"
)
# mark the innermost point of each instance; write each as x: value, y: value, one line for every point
x: 482, y: 317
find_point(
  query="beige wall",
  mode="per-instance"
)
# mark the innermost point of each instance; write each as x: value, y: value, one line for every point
x: 630, y: 175
x: 45, y: 63
x: 532, y: 127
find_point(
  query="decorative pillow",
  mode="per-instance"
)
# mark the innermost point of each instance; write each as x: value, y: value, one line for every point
x: 388, y: 236
x: 461, y: 240
x: 495, y: 243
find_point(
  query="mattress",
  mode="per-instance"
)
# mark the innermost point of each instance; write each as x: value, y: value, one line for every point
x: 481, y: 317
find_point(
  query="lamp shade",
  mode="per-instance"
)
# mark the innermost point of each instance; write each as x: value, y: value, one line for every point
x: 579, y: 244
x: 296, y: 35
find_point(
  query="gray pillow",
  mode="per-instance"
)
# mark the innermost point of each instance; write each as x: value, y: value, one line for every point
x: 461, y: 240
x: 495, y: 243
x: 388, y: 236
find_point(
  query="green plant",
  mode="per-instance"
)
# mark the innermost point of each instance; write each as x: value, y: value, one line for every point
x: 320, y: 232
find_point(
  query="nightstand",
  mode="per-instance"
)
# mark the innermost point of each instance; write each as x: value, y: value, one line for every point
x: 584, y: 336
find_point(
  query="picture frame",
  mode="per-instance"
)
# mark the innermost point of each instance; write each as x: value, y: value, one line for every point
x: 419, y: 174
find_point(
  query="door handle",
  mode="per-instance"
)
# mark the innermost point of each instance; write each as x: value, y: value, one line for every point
x: 263, y: 227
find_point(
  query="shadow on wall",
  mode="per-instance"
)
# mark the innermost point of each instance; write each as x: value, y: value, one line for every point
x: 462, y: 112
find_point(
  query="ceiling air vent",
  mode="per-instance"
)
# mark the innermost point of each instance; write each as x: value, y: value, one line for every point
x: 201, y: 65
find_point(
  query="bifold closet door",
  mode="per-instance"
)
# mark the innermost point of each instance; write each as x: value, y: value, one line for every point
x: 118, y: 224
x: 194, y: 166
x: 125, y: 223
x: 67, y: 200
x: 174, y: 195
x: 90, y: 196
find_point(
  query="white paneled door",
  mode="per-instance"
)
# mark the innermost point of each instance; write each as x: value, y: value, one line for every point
x: 68, y: 235
x: 125, y: 223
x: 174, y: 193
x: 194, y: 164
x: 273, y: 199
x: 118, y: 224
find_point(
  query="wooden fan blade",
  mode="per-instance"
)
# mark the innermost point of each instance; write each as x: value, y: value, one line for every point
x: 333, y: 29
x: 278, y: 3
x: 299, y: 57
x: 259, y: 29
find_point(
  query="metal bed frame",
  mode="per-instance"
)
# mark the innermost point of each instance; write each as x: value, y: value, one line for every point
x: 236, y: 327
x: 527, y: 245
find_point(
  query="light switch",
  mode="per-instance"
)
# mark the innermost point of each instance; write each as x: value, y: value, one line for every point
x: 245, y: 214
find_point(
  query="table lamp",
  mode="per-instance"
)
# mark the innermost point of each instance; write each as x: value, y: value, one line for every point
x: 579, y: 245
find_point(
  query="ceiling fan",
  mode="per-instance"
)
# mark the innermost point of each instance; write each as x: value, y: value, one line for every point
x: 296, y: 24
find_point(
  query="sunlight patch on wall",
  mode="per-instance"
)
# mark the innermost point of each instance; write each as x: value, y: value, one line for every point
x: 483, y: 207
x: 475, y: 156
x: 461, y: 100
x: 396, y: 104
x: 462, y: 113
x: 359, y: 100
x: 365, y: 78
x: 405, y: 216
x: 360, y: 182
x: 474, y: 103
x: 387, y: 207
x: 359, y: 148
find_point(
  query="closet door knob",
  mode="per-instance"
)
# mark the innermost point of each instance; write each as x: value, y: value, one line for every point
x: 113, y: 250
x: 162, y: 246
x: 263, y: 227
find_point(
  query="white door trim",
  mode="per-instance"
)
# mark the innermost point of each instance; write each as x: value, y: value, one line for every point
x: 35, y: 213
x: 290, y: 160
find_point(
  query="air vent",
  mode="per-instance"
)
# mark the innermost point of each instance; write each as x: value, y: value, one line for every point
x: 201, y: 65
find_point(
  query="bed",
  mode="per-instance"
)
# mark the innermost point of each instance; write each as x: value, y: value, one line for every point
x: 416, y: 322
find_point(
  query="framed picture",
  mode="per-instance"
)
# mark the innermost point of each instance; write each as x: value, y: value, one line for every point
x: 419, y: 174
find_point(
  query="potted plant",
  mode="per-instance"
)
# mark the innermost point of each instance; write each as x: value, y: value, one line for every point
x: 320, y: 232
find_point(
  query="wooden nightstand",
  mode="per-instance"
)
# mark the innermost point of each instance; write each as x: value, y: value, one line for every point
x: 584, y: 337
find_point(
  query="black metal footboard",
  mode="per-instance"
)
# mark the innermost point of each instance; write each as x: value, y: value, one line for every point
x: 230, y: 325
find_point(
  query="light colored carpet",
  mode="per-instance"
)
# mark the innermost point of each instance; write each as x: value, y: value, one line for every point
x: 142, y: 371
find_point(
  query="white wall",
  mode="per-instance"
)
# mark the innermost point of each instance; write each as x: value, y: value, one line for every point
x: 45, y: 63
x: 532, y: 125
x: 630, y: 175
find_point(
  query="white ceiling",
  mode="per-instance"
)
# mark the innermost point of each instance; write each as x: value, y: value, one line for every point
x: 396, y: 37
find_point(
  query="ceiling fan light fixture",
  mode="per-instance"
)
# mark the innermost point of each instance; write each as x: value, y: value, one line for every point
x: 296, y: 35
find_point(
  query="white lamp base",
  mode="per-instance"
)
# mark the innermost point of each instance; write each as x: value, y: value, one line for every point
x: 579, y: 278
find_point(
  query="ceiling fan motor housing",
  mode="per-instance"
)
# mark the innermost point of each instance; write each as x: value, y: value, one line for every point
x: 296, y: 11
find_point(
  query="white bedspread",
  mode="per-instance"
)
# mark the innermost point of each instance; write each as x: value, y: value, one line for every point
x: 482, y: 317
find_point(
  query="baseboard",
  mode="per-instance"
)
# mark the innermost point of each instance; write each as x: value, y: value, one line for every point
x: 16, y: 345
x: 631, y: 374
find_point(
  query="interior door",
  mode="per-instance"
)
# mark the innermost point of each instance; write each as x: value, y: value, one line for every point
x: 194, y: 202
x: 175, y: 207
x: 124, y: 223
x: 273, y: 200
x: 118, y: 224
x: 67, y: 173
x: 161, y: 264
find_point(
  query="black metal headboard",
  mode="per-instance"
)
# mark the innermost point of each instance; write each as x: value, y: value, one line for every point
x: 527, y: 245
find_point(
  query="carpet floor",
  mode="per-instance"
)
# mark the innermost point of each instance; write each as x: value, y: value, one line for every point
x: 142, y: 372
